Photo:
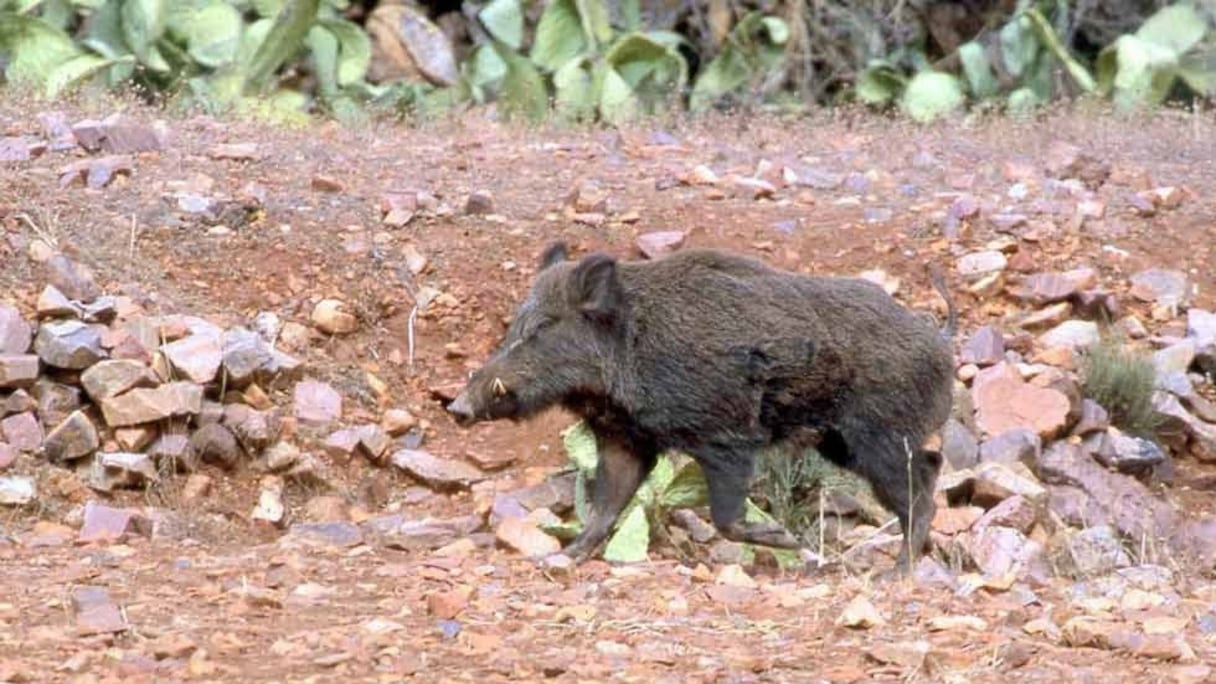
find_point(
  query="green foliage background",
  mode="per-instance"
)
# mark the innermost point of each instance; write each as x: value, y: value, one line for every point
x: 614, y: 60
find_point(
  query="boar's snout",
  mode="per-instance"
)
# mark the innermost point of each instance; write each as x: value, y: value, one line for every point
x: 462, y: 410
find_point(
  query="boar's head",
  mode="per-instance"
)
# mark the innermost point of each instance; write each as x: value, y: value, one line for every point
x: 557, y: 347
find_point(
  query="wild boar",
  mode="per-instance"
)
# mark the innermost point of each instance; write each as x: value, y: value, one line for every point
x: 719, y: 355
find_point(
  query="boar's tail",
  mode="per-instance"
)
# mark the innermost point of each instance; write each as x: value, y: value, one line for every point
x: 939, y: 283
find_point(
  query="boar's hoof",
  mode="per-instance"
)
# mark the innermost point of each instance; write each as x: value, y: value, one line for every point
x: 770, y: 534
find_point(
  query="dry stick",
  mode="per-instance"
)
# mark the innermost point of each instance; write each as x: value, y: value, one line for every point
x: 410, y: 334
x: 911, y: 504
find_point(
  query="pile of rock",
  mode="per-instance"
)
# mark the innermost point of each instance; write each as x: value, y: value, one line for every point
x: 123, y: 398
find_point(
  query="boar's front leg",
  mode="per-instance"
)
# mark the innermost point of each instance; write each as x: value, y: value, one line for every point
x: 620, y: 471
x: 727, y: 474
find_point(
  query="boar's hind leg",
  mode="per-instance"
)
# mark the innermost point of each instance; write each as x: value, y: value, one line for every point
x: 727, y: 476
x: 619, y: 472
x: 884, y: 462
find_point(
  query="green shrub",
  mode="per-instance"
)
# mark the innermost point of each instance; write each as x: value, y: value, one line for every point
x: 1121, y: 379
x: 788, y: 485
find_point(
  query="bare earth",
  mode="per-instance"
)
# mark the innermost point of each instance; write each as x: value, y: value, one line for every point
x: 227, y: 600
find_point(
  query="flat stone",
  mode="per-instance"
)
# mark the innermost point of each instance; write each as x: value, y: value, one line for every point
x: 96, y: 612
x: 112, y: 377
x: 1201, y: 327
x: 245, y: 356
x: 56, y: 401
x: 1097, y: 551
x: 988, y: 484
x: 1001, y: 551
x: 959, y: 447
x: 73, y: 279
x: 8, y: 455
x: 1017, y: 512
x: 986, y: 347
x: 1018, y: 445
x: 1177, y: 422
x: 522, y: 535
x: 15, y: 333
x: 398, y: 532
x: 339, y: 534
x: 1157, y: 285
x: 196, y: 357
x: 22, y: 431
x: 660, y: 243
x: 317, y: 403
x: 18, y: 370
x: 1175, y: 358
x: 74, y: 438
x: 1112, y: 498
x: 17, y: 491
x: 255, y: 429
x: 54, y: 304
x: 149, y: 405
x: 70, y: 345
x: 17, y: 402
x: 1093, y: 418
x: 438, y: 473
x: 107, y: 524
x: 1072, y: 334
x: 116, y: 136
x: 976, y: 265
x: 1047, y: 317
x: 1004, y: 402
x: 1129, y: 454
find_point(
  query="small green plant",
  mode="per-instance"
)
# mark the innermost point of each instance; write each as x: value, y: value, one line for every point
x: 788, y: 486
x: 1121, y: 380
x: 674, y: 483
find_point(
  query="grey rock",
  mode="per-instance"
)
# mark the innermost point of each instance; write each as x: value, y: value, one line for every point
x: 959, y: 447
x: 15, y: 333
x: 986, y: 347
x: 197, y: 357
x: 438, y: 473
x: 70, y: 345
x: 1097, y: 551
x: 1129, y: 454
x: 18, y: 370
x: 1019, y: 445
x: 149, y: 405
x: 17, y: 491
x: 114, y: 376
x: 245, y: 356
x: 1162, y: 286
x: 74, y: 438
x: 1073, y: 334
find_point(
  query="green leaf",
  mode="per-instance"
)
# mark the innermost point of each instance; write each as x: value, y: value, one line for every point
x: 656, y: 482
x: 778, y: 30
x: 281, y: 42
x: 575, y: 95
x: 579, y: 442
x: 283, y: 107
x: 582, y: 497
x: 559, y: 36
x: 74, y: 71
x: 1198, y: 70
x: 979, y: 73
x: 323, y: 48
x: 931, y: 94
x: 355, y: 50
x: 1177, y: 28
x: 214, y: 35
x: 105, y: 35
x: 687, y: 488
x: 32, y: 49
x: 880, y: 83
x: 1018, y: 45
x: 504, y: 19
x: 564, y: 531
x: 1022, y: 102
x: 1133, y: 69
x: 786, y: 558
x: 593, y: 15
x: 143, y: 23
x: 251, y: 39
x: 1047, y: 35
x: 57, y: 13
x: 268, y: 8
x: 631, y: 14
x: 632, y: 538
x: 617, y: 103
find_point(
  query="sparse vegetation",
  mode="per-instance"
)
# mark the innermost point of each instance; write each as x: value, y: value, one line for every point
x: 788, y: 486
x: 1121, y: 378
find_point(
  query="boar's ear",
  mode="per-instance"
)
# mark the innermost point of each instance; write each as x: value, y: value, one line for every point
x: 554, y: 253
x: 594, y: 287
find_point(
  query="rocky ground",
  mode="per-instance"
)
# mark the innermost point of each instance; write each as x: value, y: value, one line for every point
x: 224, y: 348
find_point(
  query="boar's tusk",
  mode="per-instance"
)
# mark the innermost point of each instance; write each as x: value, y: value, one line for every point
x: 498, y: 387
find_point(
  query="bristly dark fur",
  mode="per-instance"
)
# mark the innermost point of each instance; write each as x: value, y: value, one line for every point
x: 719, y: 355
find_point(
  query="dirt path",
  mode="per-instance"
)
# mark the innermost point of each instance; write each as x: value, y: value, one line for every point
x: 225, y: 601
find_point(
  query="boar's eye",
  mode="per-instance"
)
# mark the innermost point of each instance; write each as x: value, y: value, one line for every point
x: 546, y: 322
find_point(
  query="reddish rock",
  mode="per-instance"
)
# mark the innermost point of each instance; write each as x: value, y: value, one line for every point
x: 986, y: 347
x: 1004, y: 401
x: 22, y: 431
x: 106, y: 524
x: 317, y: 403
x: 655, y: 245
x: 96, y: 612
